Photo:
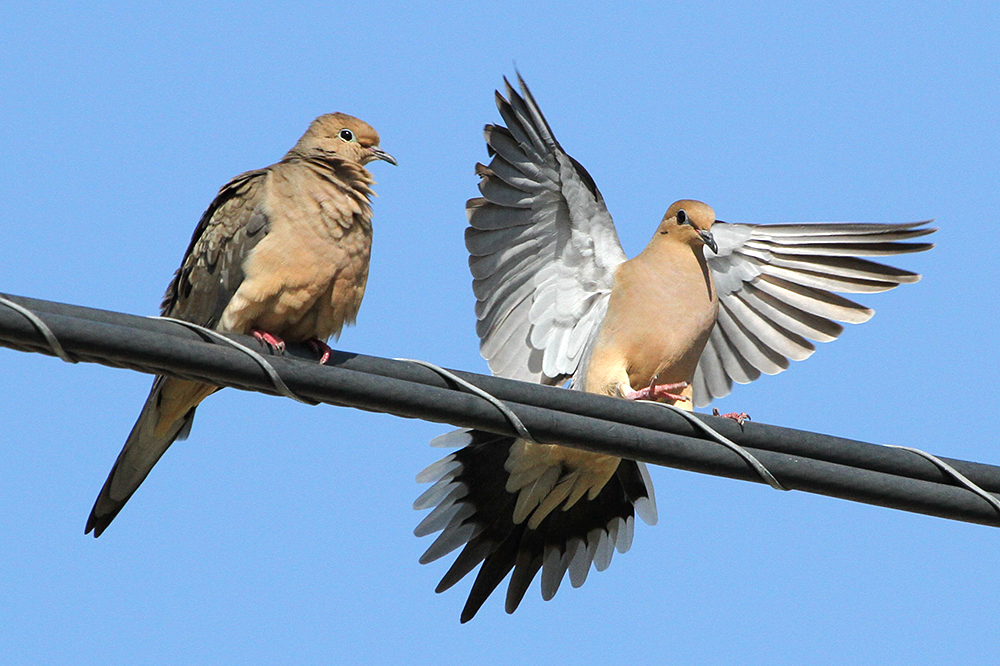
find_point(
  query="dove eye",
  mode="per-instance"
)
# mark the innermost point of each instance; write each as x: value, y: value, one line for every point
x: 346, y: 135
x: 682, y: 217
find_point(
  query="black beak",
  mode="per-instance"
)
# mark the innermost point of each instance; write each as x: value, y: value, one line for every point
x: 379, y: 154
x: 709, y: 240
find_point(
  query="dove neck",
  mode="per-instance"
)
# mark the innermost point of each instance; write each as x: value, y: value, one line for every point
x: 667, y: 258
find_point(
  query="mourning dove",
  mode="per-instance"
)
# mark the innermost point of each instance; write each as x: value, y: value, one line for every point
x: 281, y: 253
x: 705, y: 304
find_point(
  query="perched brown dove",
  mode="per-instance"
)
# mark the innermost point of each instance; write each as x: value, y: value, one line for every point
x: 281, y: 253
x: 705, y: 304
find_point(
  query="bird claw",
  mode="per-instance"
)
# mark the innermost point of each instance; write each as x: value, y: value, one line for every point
x: 658, y: 392
x: 272, y: 341
x: 739, y: 417
x: 321, y: 348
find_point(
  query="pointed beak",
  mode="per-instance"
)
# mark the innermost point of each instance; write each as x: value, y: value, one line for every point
x: 709, y: 240
x: 379, y: 154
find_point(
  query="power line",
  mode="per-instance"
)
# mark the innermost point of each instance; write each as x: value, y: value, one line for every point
x: 806, y: 461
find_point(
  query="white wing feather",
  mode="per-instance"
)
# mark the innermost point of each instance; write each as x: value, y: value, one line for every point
x: 543, y: 250
x: 776, y: 284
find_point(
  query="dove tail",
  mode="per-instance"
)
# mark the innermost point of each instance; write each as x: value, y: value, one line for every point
x: 474, y: 509
x: 165, y: 418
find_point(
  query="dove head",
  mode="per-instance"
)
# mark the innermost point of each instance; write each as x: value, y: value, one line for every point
x: 689, y: 221
x: 344, y: 136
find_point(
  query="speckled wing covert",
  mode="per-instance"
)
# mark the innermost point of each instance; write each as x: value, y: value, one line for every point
x: 212, y: 268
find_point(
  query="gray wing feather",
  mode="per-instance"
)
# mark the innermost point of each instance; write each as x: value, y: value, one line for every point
x: 212, y: 269
x: 543, y: 249
x: 775, y: 285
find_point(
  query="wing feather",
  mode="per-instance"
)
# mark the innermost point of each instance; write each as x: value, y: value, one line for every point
x: 212, y: 268
x: 543, y: 249
x: 776, y: 287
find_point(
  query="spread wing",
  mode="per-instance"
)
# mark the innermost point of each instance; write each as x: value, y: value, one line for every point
x: 212, y: 269
x: 543, y: 249
x: 775, y: 284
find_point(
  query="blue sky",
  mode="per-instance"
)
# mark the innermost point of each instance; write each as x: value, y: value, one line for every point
x: 281, y: 533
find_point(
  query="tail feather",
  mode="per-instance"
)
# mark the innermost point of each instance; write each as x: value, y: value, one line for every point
x: 525, y: 567
x: 471, y: 489
x: 165, y: 418
x: 494, y: 569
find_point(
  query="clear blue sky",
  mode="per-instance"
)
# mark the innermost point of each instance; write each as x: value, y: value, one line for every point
x: 281, y: 533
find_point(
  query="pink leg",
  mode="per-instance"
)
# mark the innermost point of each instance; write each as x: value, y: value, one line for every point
x: 321, y: 348
x: 739, y: 417
x: 272, y: 341
x: 657, y: 392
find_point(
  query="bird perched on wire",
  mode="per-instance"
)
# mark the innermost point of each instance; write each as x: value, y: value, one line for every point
x: 281, y: 253
x: 706, y: 304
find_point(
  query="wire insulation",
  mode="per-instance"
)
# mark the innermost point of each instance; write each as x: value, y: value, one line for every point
x: 805, y: 461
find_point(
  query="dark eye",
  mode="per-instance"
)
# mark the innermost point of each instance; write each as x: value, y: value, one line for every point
x: 346, y: 135
x: 682, y: 217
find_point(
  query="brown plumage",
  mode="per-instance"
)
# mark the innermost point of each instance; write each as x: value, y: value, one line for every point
x: 706, y: 304
x: 661, y: 310
x: 282, y: 253
x: 660, y: 314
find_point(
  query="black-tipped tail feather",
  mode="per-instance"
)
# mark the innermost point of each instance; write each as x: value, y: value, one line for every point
x: 474, y: 509
x: 141, y: 452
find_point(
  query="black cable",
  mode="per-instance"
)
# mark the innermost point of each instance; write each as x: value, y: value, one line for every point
x: 800, y: 460
x: 828, y: 448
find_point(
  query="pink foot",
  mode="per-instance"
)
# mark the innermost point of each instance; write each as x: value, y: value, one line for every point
x: 271, y: 341
x: 659, y: 392
x: 739, y: 417
x: 321, y: 348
